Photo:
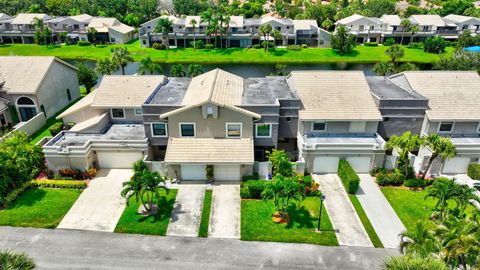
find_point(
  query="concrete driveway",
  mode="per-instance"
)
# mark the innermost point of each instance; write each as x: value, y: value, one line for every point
x: 225, y: 213
x: 187, y: 211
x: 100, y: 206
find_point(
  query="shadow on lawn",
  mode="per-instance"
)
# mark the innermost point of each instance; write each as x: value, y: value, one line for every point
x: 29, y: 198
x: 300, y: 218
x: 163, y: 213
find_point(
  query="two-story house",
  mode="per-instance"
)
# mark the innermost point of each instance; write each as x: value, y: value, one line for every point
x: 74, y: 26
x: 21, y: 28
x: 364, y: 29
x: 464, y: 23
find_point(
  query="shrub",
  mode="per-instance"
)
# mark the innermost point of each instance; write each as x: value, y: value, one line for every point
x: 256, y: 187
x: 245, y: 193
x: 198, y: 44
x: 75, y: 174
x: 370, y: 44
x: 474, y: 171
x: 415, y: 183
x: 294, y: 47
x: 158, y: 46
x: 434, y: 45
x: 59, y: 184
x: 415, y: 45
x: 310, y: 186
x: 394, y: 178
x: 250, y: 177
x: 90, y: 173
x: 349, y: 177
x: 257, y: 46
x: 389, y: 42
x: 209, y: 46
x: 376, y: 171
x: 12, y: 196
x: 83, y: 43
x: 56, y: 128
x: 304, y: 46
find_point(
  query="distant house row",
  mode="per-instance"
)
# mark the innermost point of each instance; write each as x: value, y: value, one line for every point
x: 370, y: 29
x: 241, y: 32
x: 22, y: 28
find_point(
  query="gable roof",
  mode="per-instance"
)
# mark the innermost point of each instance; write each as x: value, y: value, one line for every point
x: 79, y: 105
x: 85, y: 18
x: 428, y: 20
x: 391, y: 19
x: 4, y: 16
x: 125, y: 91
x: 304, y: 24
x: 453, y: 95
x: 24, y: 74
x: 334, y: 95
x: 28, y: 18
x: 459, y: 18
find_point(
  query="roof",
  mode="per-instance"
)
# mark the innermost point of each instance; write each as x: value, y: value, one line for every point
x: 189, y: 19
x: 27, y: 18
x: 304, y: 24
x: 24, y: 74
x: 122, y: 28
x: 334, y: 95
x: 236, y: 21
x: 459, y: 18
x: 85, y: 18
x: 453, y: 95
x: 350, y: 19
x: 283, y: 21
x: 125, y: 91
x: 209, y: 151
x: 428, y: 20
x: 80, y: 105
x: 4, y: 16
x: 102, y: 24
x: 3, y: 104
x: 384, y: 89
x: 391, y: 19
x: 266, y: 90
x: 90, y: 122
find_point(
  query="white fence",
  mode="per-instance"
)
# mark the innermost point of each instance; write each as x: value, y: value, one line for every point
x: 31, y: 126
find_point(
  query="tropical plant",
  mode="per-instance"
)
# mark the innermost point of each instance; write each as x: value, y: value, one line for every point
x: 405, y: 143
x: 327, y: 24
x: 283, y: 191
x: 177, y: 71
x: 406, y: 25
x: 419, y: 242
x: 92, y: 34
x: 342, y: 40
x: 276, y: 35
x: 395, y: 52
x: 434, y: 44
x: 440, y: 146
x: 121, y: 57
x: 86, y: 76
x: 163, y: 26
x: 148, y: 65
x: 384, y: 68
x: 193, y: 22
x: 413, y: 263
x: 207, y: 16
x: 265, y: 31
x: 413, y: 29
x: 194, y: 70
x: 106, y: 66
x: 281, y: 164
x: 442, y: 190
x: 10, y: 260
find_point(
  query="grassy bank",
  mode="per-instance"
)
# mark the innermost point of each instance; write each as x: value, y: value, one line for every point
x: 362, y: 54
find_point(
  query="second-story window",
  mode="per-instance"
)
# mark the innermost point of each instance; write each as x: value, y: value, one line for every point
x: 319, y: 126
x: 358, y: 126
x: 159, y: 129
x: 263, y: 130
x: 187, y: 129
x: 234, y: 130
x: 138, y: 112
x: 445, y: 127
x: 118, y: 113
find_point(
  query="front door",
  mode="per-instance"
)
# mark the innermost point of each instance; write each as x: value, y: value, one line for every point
x: 27, y: 113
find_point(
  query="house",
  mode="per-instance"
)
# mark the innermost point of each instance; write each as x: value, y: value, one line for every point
x: 338, y: 119
x: 112, y: 30
x: 364, y: 29
x: 453, y: 111
x: 74, y: 26
x: 21, y: 29
x: 463, y: 23
x: 30, y: 85
x: 431, y: 25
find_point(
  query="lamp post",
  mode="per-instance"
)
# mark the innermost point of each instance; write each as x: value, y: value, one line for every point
x: 322, y: 198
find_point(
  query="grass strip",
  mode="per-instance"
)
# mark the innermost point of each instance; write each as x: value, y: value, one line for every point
x: 205, y: 221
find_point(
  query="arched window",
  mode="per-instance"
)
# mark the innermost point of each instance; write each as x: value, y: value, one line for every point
x: 25, y: 101
x: 26, y: 108
x: 42, y: 108
x: 69, y: 95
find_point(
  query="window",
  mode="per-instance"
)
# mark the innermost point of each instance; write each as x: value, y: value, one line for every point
x: 118, y: 113
x: 465, y: 27
x: 187, y: 129
x: 42, y: 108
x: 209, y: 110
x: 159, y: 129
x: 358, y: 126
x: 372, y: 27
x: 445, y: 127
x: 69, y: 95
x: 478, y: 127
x: 138, y: 112
x: 234, y: 130
x: 319, y: 126
x: 425, y: 28
x: 263, y: 131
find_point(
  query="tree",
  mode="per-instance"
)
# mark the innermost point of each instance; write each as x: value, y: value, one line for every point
x: 419, y: 242
x: 327, y: 24
x: 163, y: 26
x: 106, y: 66
x: 194, y: 70
x: 377, y: 8
x: 281, y: 164
x: 395, y: 52
x: 460, y: 60
x: 265, y: 31
x: 86, y: 76
x: 342, y: 41
x: 148, y: 65
x: 132, y: 19
x: 434, y: 44
x: 193, y: 22
x: 384, y: 68
x: 283, y: 191
x: 92, y: 34
x: 276, y: 35
x: 121, y: 57
x: 177, y: 71
x: 442, y: 189
x: 10, y: 260
x: 413, y: 263
x: 406, y: 24
x: 405, y: 143
x: 440, y: 146
x: 207, y: 16
x: 455, y: 7
x: 413, y: 30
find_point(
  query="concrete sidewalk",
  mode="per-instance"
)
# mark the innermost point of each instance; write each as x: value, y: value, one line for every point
x: 187, y: 211
x: 349, y: 229
x: 225, y: 214
x: 384, y: 220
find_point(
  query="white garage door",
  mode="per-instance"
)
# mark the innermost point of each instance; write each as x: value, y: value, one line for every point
x: 194, y: 172
x: 456, y: 165
x: 227, y: 172
x: 360, y: 164
x: 325, y: 164
x: 118, y: 160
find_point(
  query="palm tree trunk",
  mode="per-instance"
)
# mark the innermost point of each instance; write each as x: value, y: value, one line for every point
x: 429, y: 164
x: 401, y: 39
x: 123, y: 70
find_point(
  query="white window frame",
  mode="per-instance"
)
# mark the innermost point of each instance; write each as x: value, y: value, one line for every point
x: 360, y: 131
x: 232, y: 123
x: 138, y: 114
x: 263, y: 124
x: 313, y: 125
x: 159, y: 136
x: 113, y: 117
x: 440, y: 124
x: 187, y: 123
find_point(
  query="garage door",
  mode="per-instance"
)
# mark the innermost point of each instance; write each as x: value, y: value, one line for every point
x: 456, y: 165
x: 227, y: 172
x: 193, y: 172
x: 118, y: 160
x: 325, y: 164
x: 360, y: 164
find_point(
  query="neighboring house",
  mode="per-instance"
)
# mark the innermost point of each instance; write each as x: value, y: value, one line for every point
x: 241, y: 32
x: 453, y: 111
x: 30, y: 85
x: 338, y: 120
x: 74, y: 26
x: 463, y: 23
x: 112, y: 30
x: 364, y: 29
x: 431, y: 25
x: 21, y: 29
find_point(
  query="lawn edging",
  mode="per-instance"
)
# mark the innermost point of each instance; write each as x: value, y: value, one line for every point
x: 206, y: 209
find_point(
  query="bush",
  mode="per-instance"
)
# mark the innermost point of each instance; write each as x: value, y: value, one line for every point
x: 434, y: 45
x: 349, y: 177
x: 12, y: 196
x: 376, y: 171
x: 59, y: 184
x: 415, y: 183
x: 245, y: 193
x: 389, y: 42
x: 198, y: 44
x: 294, y: 47
x: 56, y: 128
x: 474, y: 171
x: 415, y: 45
x: 83, y: 43
x: 256, y: 187
x: 370, y: 44
x: 311, y: 187
x: 250, y: 177
x: 75, y: 174
x: 304, y: 46
x: 90, y: 173
x: 209, y: 46
x: 257, y: 46
x: 394, y: 178
x: 159, y: 46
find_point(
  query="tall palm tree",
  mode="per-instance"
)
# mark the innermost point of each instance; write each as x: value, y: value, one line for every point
x: 442, y: 190
x: 406, y: 143
x: 194, y: 70
x: 92, y: 33
x: 405, y: 24
x: 207, y: 16
x: 106, y: 66
x: 148, y: 65
x: 395, y: 52
x: 121, y: 57
x: 193, y: 22
x: 413, y: 30
x: 276, y: 35
x: 420, y: 241
x: 440, y: 146
x: 265, y: 31
x: 163, y: 26
x: 15, y: 261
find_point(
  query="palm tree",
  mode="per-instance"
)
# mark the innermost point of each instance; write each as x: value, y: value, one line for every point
x: 405, y: 24
x: 395, y: 52
x: 207, y: 16
x: 420, y: 241
x: 148, y: 65
x: 414, y: 30
x: 383, y: 68
x: 442, y: 189
x: 177, y: 71
x: 121, y: 57
x: 92, y: 33
x: 265, y: 31
x: 440, y: 146
x: 282, y: 191
x: 406, y: 143
x: 194, y: 70
x: 106, y: 66
x: 163, y: 26
x: 15, y: 261
x: 276, y: 35
x: 327, y: 24
x: 193, y: 22
x: 413, y: 262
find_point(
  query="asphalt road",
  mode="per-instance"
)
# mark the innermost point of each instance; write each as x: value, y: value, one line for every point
x: 69, y: 249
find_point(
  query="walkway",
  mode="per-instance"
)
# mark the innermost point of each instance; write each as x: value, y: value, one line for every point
x: 100, y: 206
x: 384, y: 220
x: 187, y: 211
x: 225, y: 213
x: 345, y: 221
x: 61, y: 249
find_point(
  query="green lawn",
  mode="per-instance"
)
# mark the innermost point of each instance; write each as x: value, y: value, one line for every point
x: 362, y: 54
x: 132, y: 222
x: 365, y: 221
x: 207, y: 205
x: 39, y: 208
x: 257, y: 224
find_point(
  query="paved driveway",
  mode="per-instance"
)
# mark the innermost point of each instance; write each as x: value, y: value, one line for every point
x: 100, y: 206
x: 384, y: 220
x: 187, y: 211
x: 345, y: 221
x: 225, y: 213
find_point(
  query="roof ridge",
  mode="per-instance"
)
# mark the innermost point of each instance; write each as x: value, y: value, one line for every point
x: 209, y: 99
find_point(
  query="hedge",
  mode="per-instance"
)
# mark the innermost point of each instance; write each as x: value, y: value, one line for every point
x: 12, y: 196
x: 56, y: 128
x: 255, y: 188
x: 474, y: 171
x: 60, y: 184
x: 349, y: 177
